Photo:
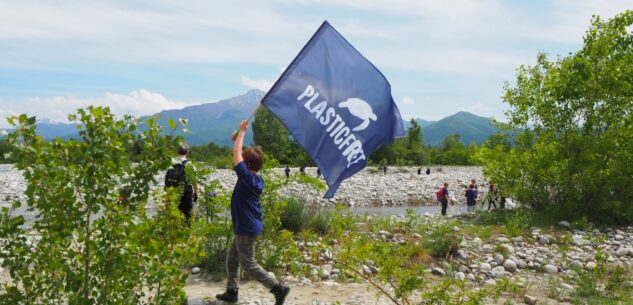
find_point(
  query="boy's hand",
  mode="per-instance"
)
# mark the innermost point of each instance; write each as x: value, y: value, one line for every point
x: 244, y: 126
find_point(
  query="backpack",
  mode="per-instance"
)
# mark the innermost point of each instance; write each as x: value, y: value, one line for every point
x: 176, y: 176
x: 440, y: 195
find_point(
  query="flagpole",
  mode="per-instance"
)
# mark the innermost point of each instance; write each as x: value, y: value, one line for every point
x: 250, y: 116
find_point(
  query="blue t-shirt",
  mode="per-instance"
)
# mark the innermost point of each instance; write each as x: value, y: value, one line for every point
x: 471, y: 195
x: 246, y: 212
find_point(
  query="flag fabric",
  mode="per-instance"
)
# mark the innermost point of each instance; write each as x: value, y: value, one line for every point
x: 336, y: 104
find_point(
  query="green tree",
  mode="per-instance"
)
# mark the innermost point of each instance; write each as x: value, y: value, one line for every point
x: 275, y: 140
x: 5, y: 151
x: 574, y: 151
x: 452, y: 151
x: 87, y: 246
x: 416, y: 152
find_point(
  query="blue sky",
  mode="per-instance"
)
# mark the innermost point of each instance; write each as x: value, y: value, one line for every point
x: 140, y: 57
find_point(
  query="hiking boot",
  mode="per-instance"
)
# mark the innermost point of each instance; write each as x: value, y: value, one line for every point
x: 280, y: 291
x: 229, y: 296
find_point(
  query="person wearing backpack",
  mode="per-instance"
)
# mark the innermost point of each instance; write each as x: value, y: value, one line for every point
x: 442, y: 197
x: 176, y: 176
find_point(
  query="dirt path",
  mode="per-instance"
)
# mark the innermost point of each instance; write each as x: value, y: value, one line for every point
x: 252, y: 292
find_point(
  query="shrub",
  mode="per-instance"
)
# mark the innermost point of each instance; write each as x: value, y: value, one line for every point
x: 442, y: 242
x: 574, y: 133
x: 92, y: 247
x: 321, y: 221
x: 293, y: 215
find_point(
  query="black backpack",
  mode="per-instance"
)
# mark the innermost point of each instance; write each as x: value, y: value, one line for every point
x: 176, y: 176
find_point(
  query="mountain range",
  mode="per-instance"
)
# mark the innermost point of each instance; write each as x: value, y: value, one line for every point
x: 214, y: 122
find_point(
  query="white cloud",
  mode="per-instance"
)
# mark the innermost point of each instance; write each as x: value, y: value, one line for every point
x: 137, y: 103
x: 479, y: 108
x: 407, y: 100
x: 261, y: 84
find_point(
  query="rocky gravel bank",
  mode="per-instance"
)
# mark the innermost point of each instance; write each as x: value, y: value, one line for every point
x: 370, y: 187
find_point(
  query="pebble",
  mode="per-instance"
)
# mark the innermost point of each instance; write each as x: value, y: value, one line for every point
x: 530, y: 300
x: 438, y: 271
x: 485, y: 267
x: 578, y: 240
x: 196, y: 301
x: 195, y: 270
x: 503, y: 239
x: 499, y: 259
x: 564, y: 224
x: 510, y: 265
x: 551, y: 269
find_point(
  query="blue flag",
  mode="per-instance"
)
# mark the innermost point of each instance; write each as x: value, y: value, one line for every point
x: 336, y: 104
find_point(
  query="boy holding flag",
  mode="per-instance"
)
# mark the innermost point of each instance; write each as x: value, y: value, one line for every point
x: 246, y: 215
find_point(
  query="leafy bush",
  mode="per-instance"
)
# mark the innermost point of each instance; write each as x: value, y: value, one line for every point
x: 604, y: 285
x: 293, y: 215
x: 90, y: 246
x: 572, y: 115
x: 442, y: 242
x: 320, y: 221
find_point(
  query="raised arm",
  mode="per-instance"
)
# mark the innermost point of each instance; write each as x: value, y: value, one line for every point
x: 237, y: 146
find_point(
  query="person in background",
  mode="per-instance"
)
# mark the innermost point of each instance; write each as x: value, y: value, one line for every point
x: 473, y: 182
x: 444, y: 198
x: 318, y: 173
x: 247, y: 218
x: 302, y: 170
x: 384, y: 169
x: 419, y: 171
x: 471, y: 198
x: 492, y: 197
x: 178, y: 176
x: 428, y: 171
x: 287, y: 171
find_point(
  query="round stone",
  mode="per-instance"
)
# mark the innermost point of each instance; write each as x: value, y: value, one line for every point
x: 195, y: 270
x: 460, y: 276
x: 499, y: 259
x: 510, y: 265
x: 485, y: 267
x: 564, y: 224
x: 551, y: 269
x: 591, y: 265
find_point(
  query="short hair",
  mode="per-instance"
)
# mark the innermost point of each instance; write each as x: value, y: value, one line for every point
x: 254, y: 157
x: 445, y: 183
x: 183, y: 149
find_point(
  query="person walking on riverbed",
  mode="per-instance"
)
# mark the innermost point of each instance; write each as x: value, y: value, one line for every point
x: 246, y: 215
x: 471, y: 197
x: 492, y: 197
x: 443, y: 198
x: 182, y: 175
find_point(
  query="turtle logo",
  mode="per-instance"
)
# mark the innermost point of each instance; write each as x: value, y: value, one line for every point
x: 361, y: 110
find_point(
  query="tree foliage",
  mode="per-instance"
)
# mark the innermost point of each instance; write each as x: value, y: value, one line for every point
x: 275, y: 140
x: 87, y: 245
x: 575, y: 150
